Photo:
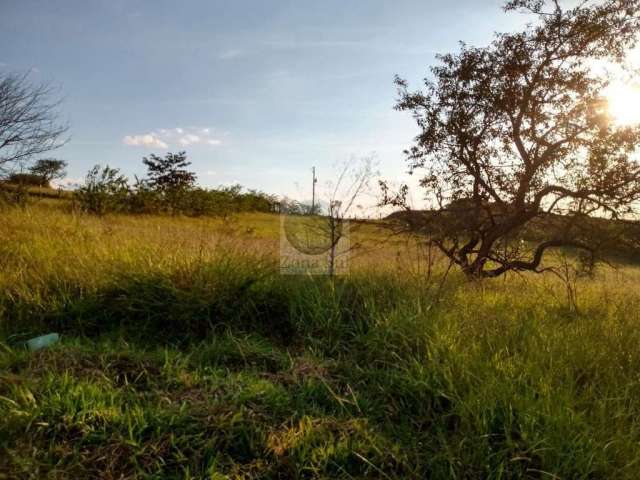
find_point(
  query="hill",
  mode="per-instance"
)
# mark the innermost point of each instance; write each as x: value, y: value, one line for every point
x: 185, y: 353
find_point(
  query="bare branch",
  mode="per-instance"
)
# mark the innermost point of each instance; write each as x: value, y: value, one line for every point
x: 29, y: 124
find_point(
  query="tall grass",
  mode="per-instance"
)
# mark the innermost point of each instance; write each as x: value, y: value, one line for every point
x: 187, y: 355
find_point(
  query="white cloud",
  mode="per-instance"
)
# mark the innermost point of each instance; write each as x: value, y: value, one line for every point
x: 211, y: 172
x: 67, y: 183
x: 178, y: 136
x: 147, y: 140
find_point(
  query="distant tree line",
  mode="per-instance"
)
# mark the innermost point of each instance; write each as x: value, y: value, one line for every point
x: 168, y: 188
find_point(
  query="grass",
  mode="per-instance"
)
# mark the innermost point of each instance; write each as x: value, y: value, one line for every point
x: 186, y: 355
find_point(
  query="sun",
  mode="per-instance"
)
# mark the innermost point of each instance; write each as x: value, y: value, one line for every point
x: 623, y: 103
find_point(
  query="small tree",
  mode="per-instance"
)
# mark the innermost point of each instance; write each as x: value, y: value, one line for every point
x: 315, y: 233
x: 351, y: 184
x: 516, y: 136
x: 29, y: 124
x: 169, y: 177
x: 49, y: 169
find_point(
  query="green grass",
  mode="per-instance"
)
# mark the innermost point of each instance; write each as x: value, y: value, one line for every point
x: 186, y: 355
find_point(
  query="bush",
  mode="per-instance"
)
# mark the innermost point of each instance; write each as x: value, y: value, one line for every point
x: 144, y: 199
x: 105, y: 190
x: 27, y: 179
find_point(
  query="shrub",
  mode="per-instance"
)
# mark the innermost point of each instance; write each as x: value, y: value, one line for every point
x: 144, y: 199
x: 105, y: 190
x: 27, y: 179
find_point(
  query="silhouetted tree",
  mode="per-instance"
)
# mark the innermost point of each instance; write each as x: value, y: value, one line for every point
x: 49, y: 169
x: 518, y: 132
x: 29, y: 122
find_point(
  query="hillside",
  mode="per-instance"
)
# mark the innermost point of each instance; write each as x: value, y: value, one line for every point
x: 185, y: 354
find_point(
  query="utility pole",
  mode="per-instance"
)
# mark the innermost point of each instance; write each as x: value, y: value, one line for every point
x: 313, y: 191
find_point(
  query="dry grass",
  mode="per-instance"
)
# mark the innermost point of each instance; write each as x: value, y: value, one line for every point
x: 187, y: 355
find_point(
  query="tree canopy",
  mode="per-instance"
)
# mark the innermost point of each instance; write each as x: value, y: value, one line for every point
x: 49, y: 169
x: 169, y: 173
x: 518, y: 131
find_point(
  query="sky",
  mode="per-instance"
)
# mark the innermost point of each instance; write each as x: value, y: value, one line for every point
x: 255, y: 91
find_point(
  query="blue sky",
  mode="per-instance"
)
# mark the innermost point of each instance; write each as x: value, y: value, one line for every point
x: 255, y: 91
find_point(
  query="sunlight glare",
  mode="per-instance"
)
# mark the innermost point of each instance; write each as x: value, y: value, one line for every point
x: 624, y: 103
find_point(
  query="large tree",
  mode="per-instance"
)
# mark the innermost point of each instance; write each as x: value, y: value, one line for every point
x: 516, y: 136
x: 29, y: 120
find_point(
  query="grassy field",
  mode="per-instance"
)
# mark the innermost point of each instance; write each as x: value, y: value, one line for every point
x: 185, y: 354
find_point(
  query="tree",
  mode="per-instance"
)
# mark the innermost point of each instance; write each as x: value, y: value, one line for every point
x: 341, y: 204
x: 29, y: 124
x: 169, y: 173
x: 311, y: 232
x: 516, y: 136
x: 169, y: 176
x: 49, y: 169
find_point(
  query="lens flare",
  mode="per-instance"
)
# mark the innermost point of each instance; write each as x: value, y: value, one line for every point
x: 623, y: 103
